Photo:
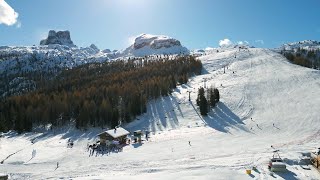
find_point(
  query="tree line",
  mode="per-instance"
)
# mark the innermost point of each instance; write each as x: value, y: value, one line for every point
x: 96, y: 95
x: 303, y: 57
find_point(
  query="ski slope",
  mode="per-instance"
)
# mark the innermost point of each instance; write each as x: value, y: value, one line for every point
x: 265, y: 101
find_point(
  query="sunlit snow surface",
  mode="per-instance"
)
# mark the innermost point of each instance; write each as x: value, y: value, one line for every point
x: 281, y: 98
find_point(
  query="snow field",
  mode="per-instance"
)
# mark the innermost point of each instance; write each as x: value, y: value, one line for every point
x: 281, y: 98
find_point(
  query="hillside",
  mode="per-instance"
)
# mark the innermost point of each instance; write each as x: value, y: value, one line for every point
x: 96, y: 95
x: 265, y: 100
x: 305, y: 53
x: 21, y: 67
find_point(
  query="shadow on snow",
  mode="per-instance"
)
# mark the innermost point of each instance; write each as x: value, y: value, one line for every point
x: 221, y: 118
x: 161, y: 114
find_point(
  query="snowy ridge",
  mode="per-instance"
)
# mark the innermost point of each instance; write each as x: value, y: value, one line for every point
x: 58, y: 52
x: 306, y: 44
x: 45, y: 58
x: 59, y: 55
x: 265, y: 100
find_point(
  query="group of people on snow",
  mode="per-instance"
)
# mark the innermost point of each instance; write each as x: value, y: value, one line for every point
x: 97, y: 148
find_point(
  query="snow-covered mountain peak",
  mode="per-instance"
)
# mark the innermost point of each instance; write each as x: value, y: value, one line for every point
x: 155, y: 41
x: 60, y: 37
x: 147, y: 44
x: 93, y: 46
x: 106, y: 51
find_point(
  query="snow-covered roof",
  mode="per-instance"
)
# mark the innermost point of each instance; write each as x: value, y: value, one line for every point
x: 115, y: 133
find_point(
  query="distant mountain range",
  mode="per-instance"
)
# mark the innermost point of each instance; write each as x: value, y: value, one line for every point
x: 306, y: 44
x: 58, y: 52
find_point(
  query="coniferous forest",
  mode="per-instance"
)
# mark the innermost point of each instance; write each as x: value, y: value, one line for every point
x: 96, y: 95
x: 302, y: 57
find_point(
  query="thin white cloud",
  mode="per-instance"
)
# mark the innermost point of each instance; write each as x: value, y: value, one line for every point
x: 7, y: 14
x: 225, y: 43
x: 259, y: 41
x: 131, y: 40
x: 18, y: 24
x: 209, y: 48
x: 243, y: 42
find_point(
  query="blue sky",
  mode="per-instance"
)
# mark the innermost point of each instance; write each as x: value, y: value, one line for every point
x: 196, y: 23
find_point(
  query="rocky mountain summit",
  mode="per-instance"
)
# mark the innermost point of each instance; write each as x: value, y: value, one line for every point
x: 147, y: 44
x: 59, y: 37
x: 155, y: 42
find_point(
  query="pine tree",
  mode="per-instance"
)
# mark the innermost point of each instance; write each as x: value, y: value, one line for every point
x: 203, y: 106
x: 216, y: 95
x: 212, y: 97
x: 202, y: 102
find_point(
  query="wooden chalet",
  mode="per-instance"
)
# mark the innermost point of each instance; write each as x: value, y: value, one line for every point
x: 117, y: 134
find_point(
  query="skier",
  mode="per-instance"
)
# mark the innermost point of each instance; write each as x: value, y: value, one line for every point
x: 57, y: 165
x: 33, y: 153
x: 189, y: 143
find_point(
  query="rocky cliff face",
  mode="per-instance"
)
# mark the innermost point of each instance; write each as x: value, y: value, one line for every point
x: 147, y: 44
x: 60, y: 37
x: 155, y: 42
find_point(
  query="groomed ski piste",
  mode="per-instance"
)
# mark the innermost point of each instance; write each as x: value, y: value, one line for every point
x: 265, y: 101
